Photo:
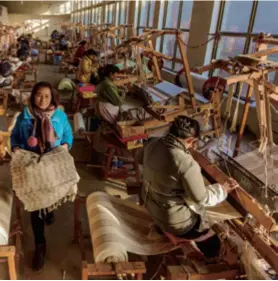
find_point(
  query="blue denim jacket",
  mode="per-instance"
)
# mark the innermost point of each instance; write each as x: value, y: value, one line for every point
x: 24, y: 127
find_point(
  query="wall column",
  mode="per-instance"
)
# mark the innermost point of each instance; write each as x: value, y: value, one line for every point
x: 199, y: 29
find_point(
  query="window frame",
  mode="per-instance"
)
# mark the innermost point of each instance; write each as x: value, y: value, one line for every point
x: 249, y: 35
x: 165, y: 12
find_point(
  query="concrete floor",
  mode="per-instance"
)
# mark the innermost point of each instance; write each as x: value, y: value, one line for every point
x: 63, y: 258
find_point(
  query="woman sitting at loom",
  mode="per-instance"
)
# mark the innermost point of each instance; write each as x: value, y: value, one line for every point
x: 87, y: 71
x: 41, y: 127
x: 80, y: 52
x: 110, y: 98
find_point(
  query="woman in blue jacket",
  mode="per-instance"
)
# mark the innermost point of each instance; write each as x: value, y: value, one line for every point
x: 41, y: 127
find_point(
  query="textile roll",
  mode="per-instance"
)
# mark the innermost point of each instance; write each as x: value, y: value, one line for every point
x: 78, y: 123
x: 119, y: 226
x: 6, y: 200
x: 44, y: 182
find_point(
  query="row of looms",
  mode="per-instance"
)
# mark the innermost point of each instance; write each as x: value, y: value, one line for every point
x: 158, y: 102
x: 247, y: 222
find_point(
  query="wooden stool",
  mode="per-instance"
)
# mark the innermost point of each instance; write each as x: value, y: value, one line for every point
x: 85, y: 97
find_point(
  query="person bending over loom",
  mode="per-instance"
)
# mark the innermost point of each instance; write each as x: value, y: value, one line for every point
x: 174, y: 192
x: 87, y: 71
x: 80, y: 52
x: 41, y: 127
x: 110, y: 98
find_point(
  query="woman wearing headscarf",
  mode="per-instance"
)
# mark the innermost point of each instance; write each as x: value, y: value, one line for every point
x: 41, y: 127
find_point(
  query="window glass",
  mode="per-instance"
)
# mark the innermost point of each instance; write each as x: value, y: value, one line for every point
x: 172, y: 14
x: 236, y: 16
x: 266, y: 18
x: 168, y: 48
x: 151, y: 13
x: 161, y: 14
x: 186, y: 14
x: 230, y: 46
x: 144, y: 13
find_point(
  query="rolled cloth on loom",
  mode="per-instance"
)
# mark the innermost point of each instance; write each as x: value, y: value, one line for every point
x: 44, y: 182
x: 6, y: 200
x: 119, y: 226
x: 78, y: 123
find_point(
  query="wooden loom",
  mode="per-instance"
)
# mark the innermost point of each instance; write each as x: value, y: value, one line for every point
x: 255, y: 227
x: 184, y: 266
x: 253, y: 70
x: 9, y: 253
x: 159, y: 105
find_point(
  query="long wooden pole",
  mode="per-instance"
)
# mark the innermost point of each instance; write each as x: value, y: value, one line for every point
x: 244, y: 119
x: 186, y: 70
x: 155, y: 62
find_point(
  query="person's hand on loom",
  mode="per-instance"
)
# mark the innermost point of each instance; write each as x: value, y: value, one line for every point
x: 230, y: 185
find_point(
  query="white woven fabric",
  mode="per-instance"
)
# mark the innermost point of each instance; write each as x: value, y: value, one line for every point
x: 6, y: 199
x: 6, y: 202
x: 119, y: 226
x: 44, y: 182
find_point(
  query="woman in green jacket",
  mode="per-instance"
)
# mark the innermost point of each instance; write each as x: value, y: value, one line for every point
x: 110, y: 98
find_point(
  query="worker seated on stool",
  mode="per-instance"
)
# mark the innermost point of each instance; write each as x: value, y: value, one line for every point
x: 107, y: 107
x: 110, y: 98
x: 88, y: 68
x: 174, y: 192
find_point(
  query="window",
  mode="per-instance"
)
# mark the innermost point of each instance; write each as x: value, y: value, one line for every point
x: 173, y: 15
x: 239, y: 22
x: 144, y: 15
x: 266, y: 18
x: 109, y: 9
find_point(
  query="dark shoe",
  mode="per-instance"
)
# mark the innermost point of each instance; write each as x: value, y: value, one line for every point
x: 38, y: 258
x: 49, y: 218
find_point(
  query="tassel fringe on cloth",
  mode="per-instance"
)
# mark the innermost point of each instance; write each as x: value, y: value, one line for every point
x: 44, y: 182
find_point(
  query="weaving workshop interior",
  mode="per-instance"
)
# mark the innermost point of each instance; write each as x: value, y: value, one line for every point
x: 138, y: 140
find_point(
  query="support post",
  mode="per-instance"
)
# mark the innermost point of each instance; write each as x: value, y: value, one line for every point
x: 244, y: 119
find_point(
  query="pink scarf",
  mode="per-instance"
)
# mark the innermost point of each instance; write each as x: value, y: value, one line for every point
x: 48, y: 134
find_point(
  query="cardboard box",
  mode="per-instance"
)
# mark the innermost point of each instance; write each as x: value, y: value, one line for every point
x: 129, y: 128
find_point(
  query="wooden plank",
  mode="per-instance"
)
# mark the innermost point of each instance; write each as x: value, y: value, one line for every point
x: 186, y: 70
x: 268, y: 118
x: 185, y: 273
x: 6, y: 251
x: 165, y: 31
x: 261, y: 245
x: 108, y: 269
x: 265, y: 52
x: 274, y: 98
x: 239, y: 195
x: 12, y: 268
x: 272, y: 41
x: 242, y: 77
x: 156, y: 67
x: 244, y: 119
